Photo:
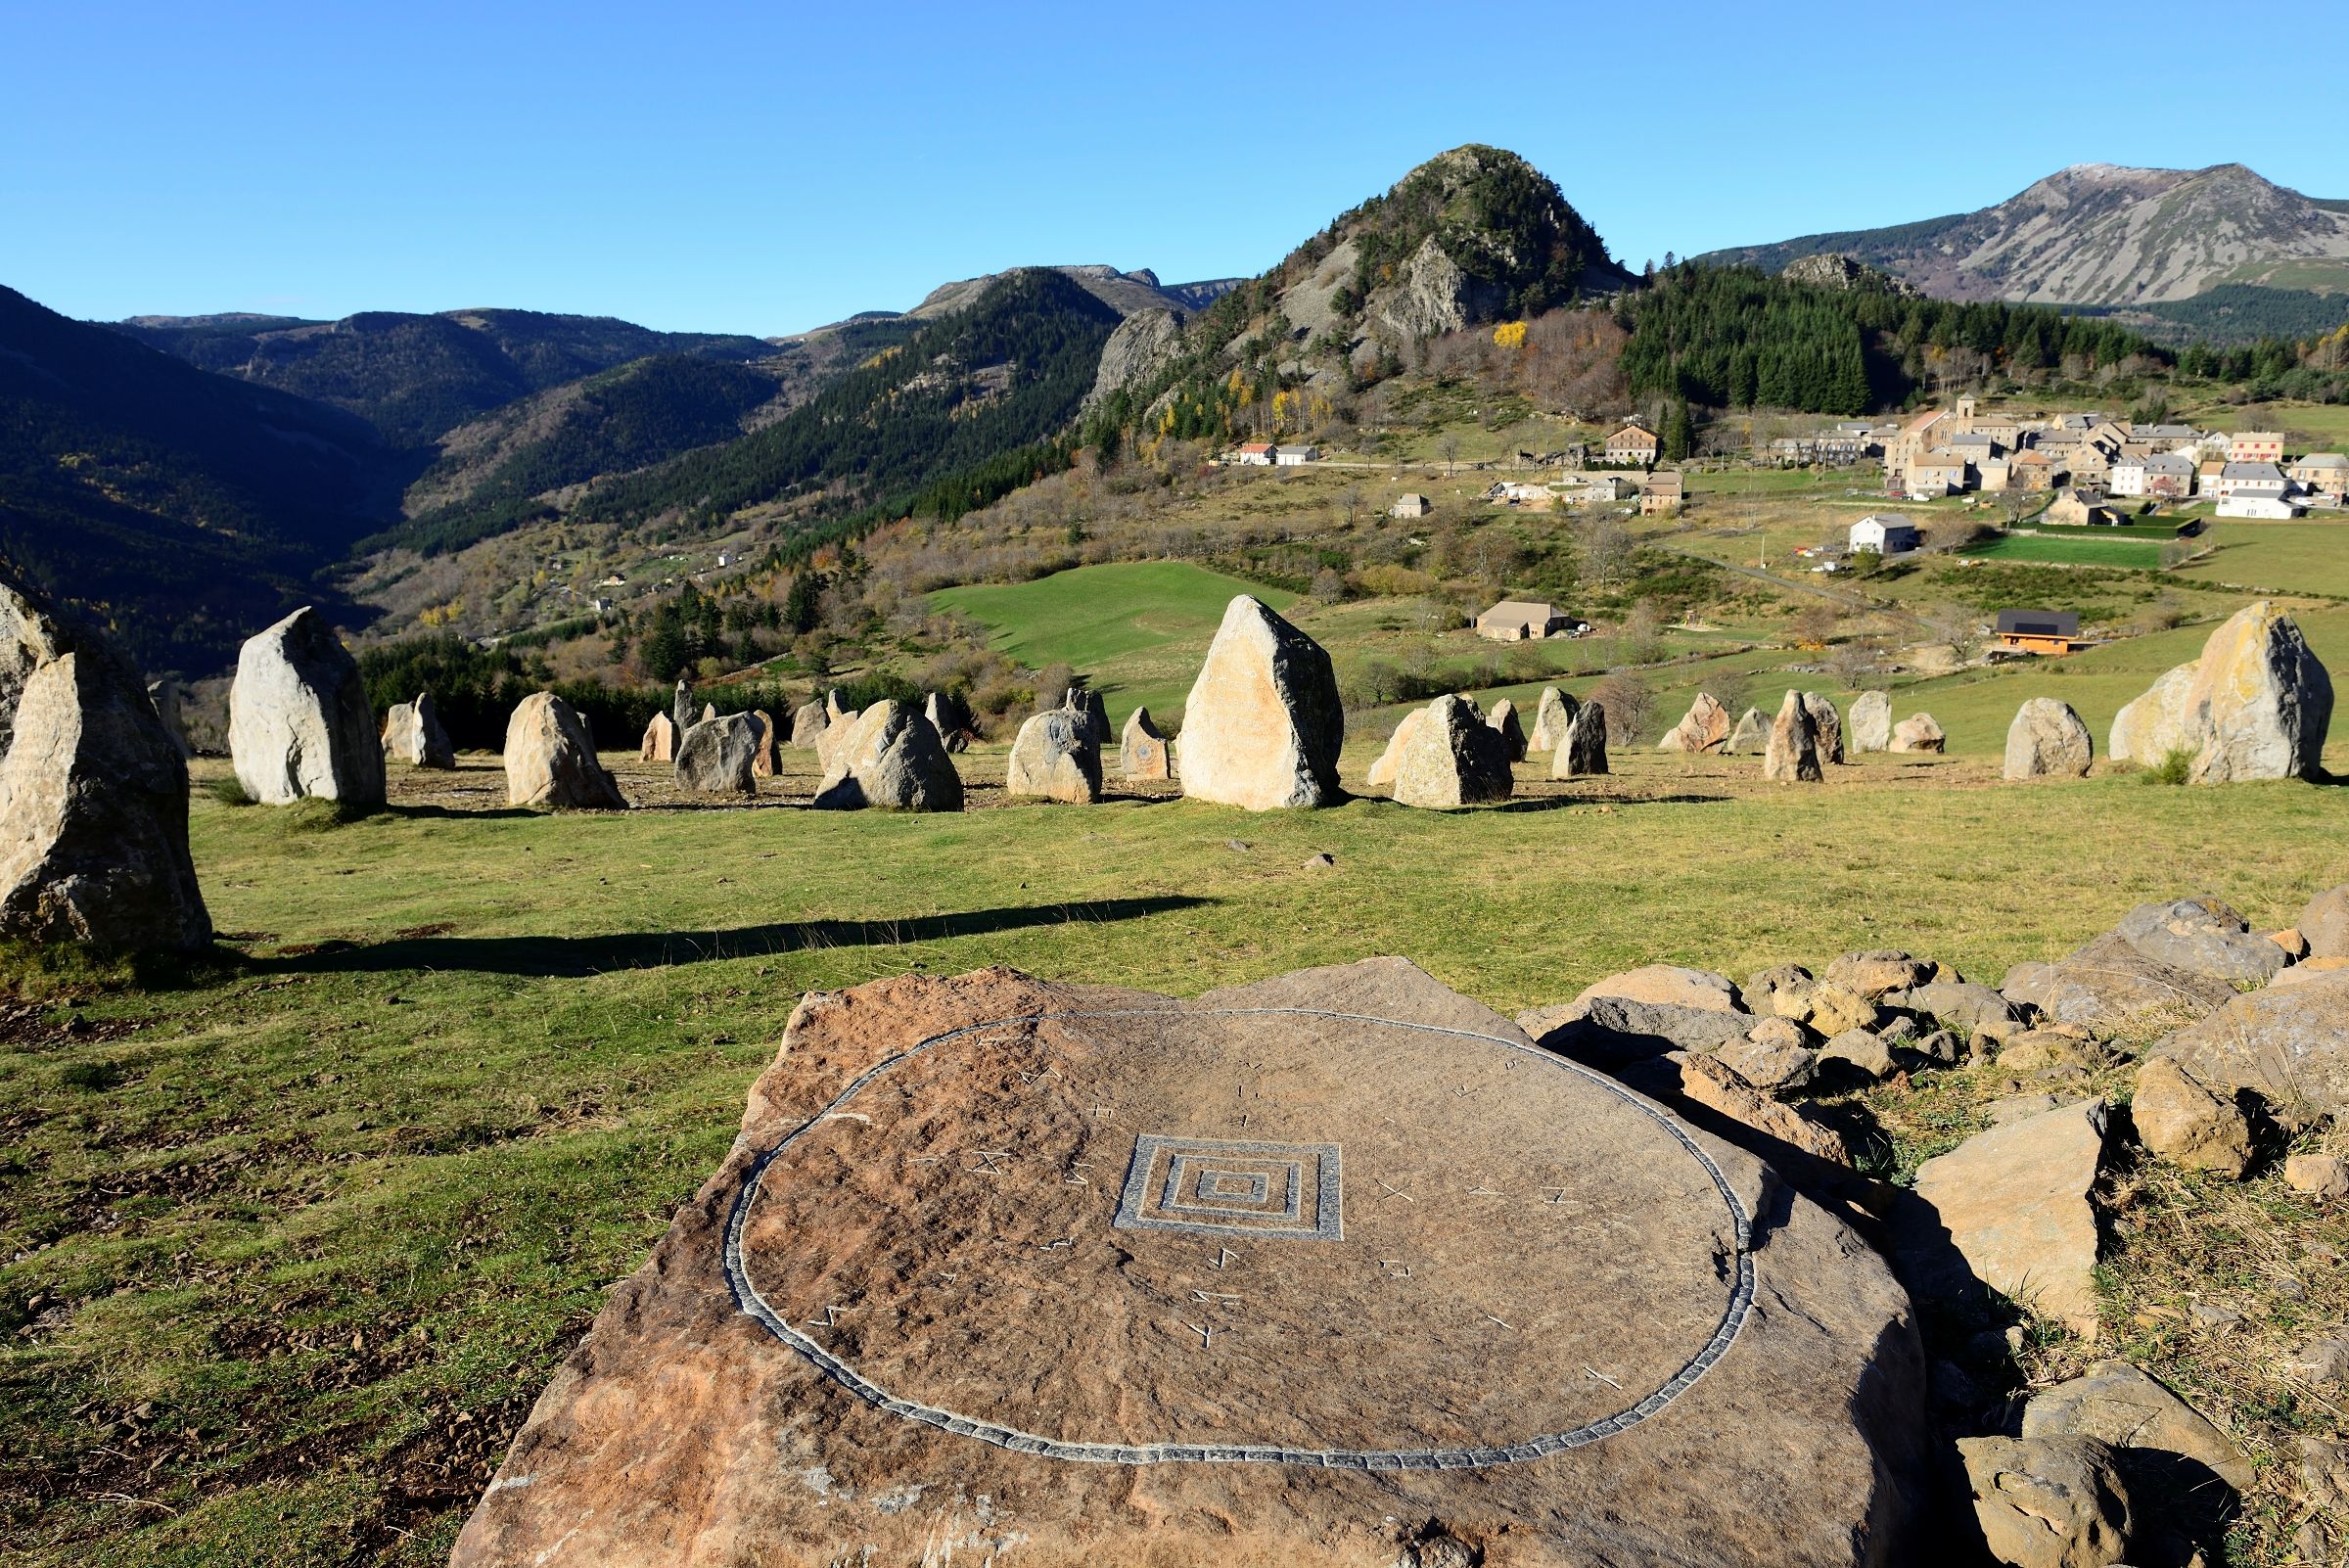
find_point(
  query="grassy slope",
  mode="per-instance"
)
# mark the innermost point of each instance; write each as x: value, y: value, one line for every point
x: 2293, y: 557
x: 315, y: 1210
x: 1143, y: 626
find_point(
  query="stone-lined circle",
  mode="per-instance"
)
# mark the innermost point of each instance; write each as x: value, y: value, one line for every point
x: 749, y: 1299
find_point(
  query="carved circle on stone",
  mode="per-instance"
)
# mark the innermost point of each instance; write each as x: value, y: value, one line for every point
x: 1308, y: 1255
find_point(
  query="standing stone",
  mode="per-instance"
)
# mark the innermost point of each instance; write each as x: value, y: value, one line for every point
x: 1704, y: 729
x: 1382, y: 770
x: 660, y: 744
x: 2149, y: 728
x: 2014, y: 1202
x: 1550, y: 719
x: 93, y: 797
x: 2048, y: 740
x: 834, y: 711
x: 1263, y: 724
x: 2260, y: 702
x: 680, y: 706
x: 720, y: 756
x: 1092, y: 717
x: 890, y: 757
x: 1826, y: 725
x: 1871, y: 721
x: 1751, y: 735
x: 836, y: 730
x: 30, y: 635
x: 808, y: 724
x: 1143, y: 750
x: 709, y: 712
x: 1054, y: 758
x: 764, y: 760
x: 1583, y: 754
x: 412, y: 734
x: 1792, y: 757
x: 298, y: 722
x: 950, y: 718
x: 168, y: 697
x: 1919, y: 732
x: 550, y: 760
x: 2185, y: 1123
x: 1455, y: 759
x: 1503, y: 720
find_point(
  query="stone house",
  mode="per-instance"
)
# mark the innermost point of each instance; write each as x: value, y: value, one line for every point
x: 1520, y: 621
x: 1662, y: 493
x: 1634, y: 445
x: 2325, y: 472
x: 1411, y: 504
x: 2255, y: 446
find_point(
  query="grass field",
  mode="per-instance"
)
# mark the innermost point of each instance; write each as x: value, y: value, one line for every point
x: 2138, y: 555
x: 294, y: 1239
x: 2283, y: 557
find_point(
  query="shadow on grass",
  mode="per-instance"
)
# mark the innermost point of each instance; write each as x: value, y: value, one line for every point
x: 1559, y: 803
x: 652, y: 949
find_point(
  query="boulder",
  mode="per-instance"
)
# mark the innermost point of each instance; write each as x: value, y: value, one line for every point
x: 2260, y: 702
x: 30, y: 635
x: 1454, y: 759
x: 1781, y: 991
x: 2288, y: 1042
x: 2187, y: 1124
x: 93, y: 796
x: 1093, y: 716
x: 660, y: 743
x: 169, y: 697
x: 2164, y: 1446
x: 2048, y: 740
x: 1919, y: 732
x: 1775, y: 1054
x: 890, y: 757
x: 2202, y: 937
x: 1878, y: 971
x: 1610, y: 1031
x: 1704, y: 728
x: 2153, y: 726
x: 412, y: 734
x: 550, y: 760
x: 1503, y: 720
x: 1583, y: 754
x: 2015, y: 1204
x: 1751, y: 735
x: 1142, y: 753
x: 1871, y: 721
x: 1055, y: 758
x: 1550, y: 719
x: 1388, y: 761
x: 757, y: 1392
x: 2109, y: 986
x: 2324, y: 924
x: 680, y: 706
x: 1792, y: 754
x: 2322, y: 1176
x: 2055, y: 1502
x: 720, y: 756
x: 807, y: 724
x: 298, y: 722
x: 1827, y: 724
x: 1839, y: 1009
x: 1263, y: 724
x: 1671, y: 985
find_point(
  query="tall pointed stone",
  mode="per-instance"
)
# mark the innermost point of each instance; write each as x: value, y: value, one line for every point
x: 1793, y: 754
x: 1583, y: 754
x: 298, y: 721
x: 412, y: 734
x: 1871, y: 721
x: 1503, y: 720
x: 1552, y: 715
x: 1263, y: 724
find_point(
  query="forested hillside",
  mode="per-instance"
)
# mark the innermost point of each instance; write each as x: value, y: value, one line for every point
x: 183, y: 508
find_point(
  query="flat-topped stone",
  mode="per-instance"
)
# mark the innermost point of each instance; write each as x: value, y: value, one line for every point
x: 1334, y: 1254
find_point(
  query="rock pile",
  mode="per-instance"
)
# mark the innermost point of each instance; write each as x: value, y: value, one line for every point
x: 412, y: 734
x: 298, y: 722
x: 890, y: 757
x: 1055, y: 758
x: 1452, y: 757
x: 1264, y: 723
x: 551, y: 761
x: 2048, y: 740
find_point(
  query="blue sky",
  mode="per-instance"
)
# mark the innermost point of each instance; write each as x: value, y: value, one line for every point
x: 766, y: 168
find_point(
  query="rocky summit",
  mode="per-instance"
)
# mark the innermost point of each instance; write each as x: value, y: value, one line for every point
x: 1334, y: 1269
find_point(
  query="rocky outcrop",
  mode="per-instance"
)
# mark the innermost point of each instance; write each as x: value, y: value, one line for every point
x: 1263, y: 724
x: 1583, y: 754
x: 412, y: 735
x: 298, y: 721
x: 1871, y: 721
x: 1144, y: 345
x: 709, y: 1416
x: 1919, y: 733
x: 1552, y: 715
x: 551, y: 761
x: 1792, y: 756
x: 93, y: 794
x: 2255, y: 706
x: 720, y: 756
x: 1704, y: 729
x: 1503, y: 720
x: 1143, y: 755
x: 890, y: 757
x: 1054, y: 758
x: 1452, y: 758
x: 2015, y: 1204
x: 1433, y: 297
x: 2048, y: 740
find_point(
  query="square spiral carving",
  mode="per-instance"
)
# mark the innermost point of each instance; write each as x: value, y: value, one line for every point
x: 1217, y: 1187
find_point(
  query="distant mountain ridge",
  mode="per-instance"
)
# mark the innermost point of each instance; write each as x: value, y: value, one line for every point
x: 2098, y: 234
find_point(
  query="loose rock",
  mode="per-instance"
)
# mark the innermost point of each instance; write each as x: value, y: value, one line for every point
x: 298, y: 722
x: 1878, y: 971
x: 2324, y: 924
x: 2202, y: 937
x: 2165, y: 1447
x: 2048, y: 740
x: 2015, y: 1201
x: 1775, y: 1055
x: 551, y: 761
x: 2048, y: 1502
x: 2185, y: 1123
x: 2289, y: 1043
x: 2322, y: 1176
x: 1264, y: 723
x: 2111, y: 987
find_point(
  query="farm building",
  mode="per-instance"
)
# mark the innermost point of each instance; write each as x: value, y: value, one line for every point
x: 1412, y: 505
x: 1885, y: 532
x: 1520, y: 621
x: 2054, y: 632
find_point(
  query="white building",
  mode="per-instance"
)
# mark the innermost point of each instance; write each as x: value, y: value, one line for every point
x: 1885, y: 532
x: 1294, y: 456
x: 2250, y: 481
x: 2274, y: 508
